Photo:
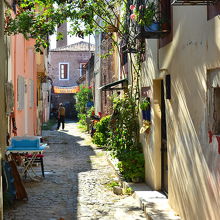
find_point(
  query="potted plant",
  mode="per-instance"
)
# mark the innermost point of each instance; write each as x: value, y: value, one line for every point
x: 146, y: 16
x: 145, y: 107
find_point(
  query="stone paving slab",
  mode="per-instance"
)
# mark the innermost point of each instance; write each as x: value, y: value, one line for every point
x: 75, y: 184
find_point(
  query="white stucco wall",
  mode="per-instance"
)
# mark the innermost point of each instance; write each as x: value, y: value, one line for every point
x: 193, y: 163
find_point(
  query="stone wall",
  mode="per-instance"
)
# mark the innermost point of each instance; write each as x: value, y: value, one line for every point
x: 74, y: 59
x: 107, y: 75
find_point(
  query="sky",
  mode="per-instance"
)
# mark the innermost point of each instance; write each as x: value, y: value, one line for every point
x: 70, y: 39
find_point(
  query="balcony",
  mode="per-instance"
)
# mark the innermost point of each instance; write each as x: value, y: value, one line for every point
x: 151, y: 19
x: 193, y: 2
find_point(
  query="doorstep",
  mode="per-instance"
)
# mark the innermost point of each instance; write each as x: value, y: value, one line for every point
x: 153, y: 203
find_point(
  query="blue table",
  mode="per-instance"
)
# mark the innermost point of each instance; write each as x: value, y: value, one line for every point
x: 23, y: 145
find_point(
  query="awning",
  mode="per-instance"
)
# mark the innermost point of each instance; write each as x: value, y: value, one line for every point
x: 123, y: 82
x: 193, y: 2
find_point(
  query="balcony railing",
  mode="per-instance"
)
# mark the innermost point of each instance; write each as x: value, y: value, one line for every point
x: 193, y: 2
x: 151, y: 19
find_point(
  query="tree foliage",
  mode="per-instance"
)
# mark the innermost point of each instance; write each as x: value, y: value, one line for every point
x: 82, y: 98
x: 39, y: 18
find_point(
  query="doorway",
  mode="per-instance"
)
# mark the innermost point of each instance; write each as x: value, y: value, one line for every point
x: 164, y: 156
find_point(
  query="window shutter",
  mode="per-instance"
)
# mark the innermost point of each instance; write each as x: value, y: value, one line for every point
x: 21, y: 88
x: 31, y: 84
x: 65, y: 71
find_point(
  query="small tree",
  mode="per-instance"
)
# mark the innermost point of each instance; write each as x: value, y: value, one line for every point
x: 82, y: 98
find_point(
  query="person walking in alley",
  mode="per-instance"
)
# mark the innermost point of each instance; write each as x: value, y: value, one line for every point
x: 61, y: 116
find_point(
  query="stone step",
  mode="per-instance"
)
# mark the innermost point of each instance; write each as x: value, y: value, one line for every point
x: 154, y: 203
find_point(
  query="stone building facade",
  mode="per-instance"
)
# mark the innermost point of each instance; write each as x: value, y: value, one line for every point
x: 111, y: 72
x: 108, y: 74
x: 66, y: 65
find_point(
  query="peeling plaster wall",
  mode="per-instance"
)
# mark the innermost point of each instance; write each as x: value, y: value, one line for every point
x: 194, y: 170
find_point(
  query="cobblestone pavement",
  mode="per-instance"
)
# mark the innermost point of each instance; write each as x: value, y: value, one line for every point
x: 76, y: 184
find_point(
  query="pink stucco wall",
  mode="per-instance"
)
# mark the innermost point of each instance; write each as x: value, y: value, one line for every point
x: 24, y: 64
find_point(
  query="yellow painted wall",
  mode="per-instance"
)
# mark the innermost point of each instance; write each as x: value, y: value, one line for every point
x: 194, y: 170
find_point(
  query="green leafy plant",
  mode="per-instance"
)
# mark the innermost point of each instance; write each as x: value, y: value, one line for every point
x: 144, y: 104
x: 82, y: 119
x: 112, y: 184
x: 124, y: 126
x: 102, y: 132
x: 131, y: 165
x: 91, y: 111
x: 82, y: 98
x: 128, y: 191
x: 124, y: 137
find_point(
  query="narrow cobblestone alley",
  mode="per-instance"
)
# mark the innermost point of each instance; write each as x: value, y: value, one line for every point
x: 75, y: 184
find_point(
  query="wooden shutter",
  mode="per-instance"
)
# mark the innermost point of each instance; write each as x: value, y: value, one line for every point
x: 21, y: 91
x: 31, y: 85
x: 65, y: 71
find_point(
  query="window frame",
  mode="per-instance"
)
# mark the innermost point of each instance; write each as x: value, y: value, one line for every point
x: 63, y: 63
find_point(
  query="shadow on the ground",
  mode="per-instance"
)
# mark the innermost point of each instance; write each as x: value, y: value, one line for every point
x: 57, y: 193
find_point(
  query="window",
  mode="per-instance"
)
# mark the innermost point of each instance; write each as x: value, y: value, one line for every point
x: 169, y: 37
x: 64, y: 71
x: 82, y: 69
x: 214, y: 101
x: 213, y: 10
x: 216, y: 113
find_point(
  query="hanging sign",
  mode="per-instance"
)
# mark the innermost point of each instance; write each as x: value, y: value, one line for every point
x: 72, y: 89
